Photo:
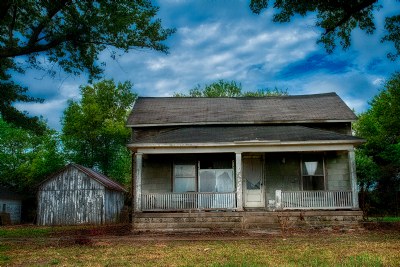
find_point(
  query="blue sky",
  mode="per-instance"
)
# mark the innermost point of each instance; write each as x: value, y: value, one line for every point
x: 222, y: 39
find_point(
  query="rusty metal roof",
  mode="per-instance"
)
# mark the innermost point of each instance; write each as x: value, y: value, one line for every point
x: 101, y: 178
x: 161, y: 111
x: 243, y: 133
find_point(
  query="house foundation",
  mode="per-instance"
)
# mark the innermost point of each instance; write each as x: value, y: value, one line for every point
x: 246, y: 221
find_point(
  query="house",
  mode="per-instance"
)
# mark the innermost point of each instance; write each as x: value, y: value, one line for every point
x: 79, y: 195
x: 10, y: 206
x: 238, y: 163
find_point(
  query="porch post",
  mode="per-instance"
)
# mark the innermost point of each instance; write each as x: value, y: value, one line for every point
x: 138, y: 182
x: 353, y: 178
x: 239, y: 190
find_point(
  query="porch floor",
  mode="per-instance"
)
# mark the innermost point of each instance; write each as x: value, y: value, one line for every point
x: 199, y: 221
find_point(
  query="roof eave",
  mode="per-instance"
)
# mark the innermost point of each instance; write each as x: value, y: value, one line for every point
x: 236, y: 123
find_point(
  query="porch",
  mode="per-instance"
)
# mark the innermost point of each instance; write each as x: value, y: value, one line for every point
x: 284, y: 200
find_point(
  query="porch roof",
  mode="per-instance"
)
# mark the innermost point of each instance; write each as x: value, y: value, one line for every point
x: 250, y: 133
x: 169, y: 111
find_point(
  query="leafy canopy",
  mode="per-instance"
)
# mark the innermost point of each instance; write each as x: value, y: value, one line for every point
x: 223, y: 88
x: 27, y: 158
x: 94, y: 132
x: 378, y: 160
x: 69, y: 34
x: 338, y: 18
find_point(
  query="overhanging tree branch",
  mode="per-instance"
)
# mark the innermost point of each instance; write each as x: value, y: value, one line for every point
x: 349, y: 13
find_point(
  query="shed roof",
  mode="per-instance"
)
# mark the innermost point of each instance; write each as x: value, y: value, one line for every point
x: 161, y: 111
x: 6, y: 193
x: 101, y: 178
x: 267, y: 133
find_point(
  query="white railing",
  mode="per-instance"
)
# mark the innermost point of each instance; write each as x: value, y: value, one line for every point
x: 313, y: 199
x: 188, y: 201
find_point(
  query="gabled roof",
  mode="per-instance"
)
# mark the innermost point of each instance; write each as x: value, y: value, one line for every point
x: 171, y: 111
x: 250, y: 133
x: 101, y: 178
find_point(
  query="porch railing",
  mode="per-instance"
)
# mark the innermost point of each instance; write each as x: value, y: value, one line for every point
x: 188, y: 201
x: 313, y: 199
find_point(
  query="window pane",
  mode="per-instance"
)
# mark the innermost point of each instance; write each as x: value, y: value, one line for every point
x: 313, y: 167
x: 225, y: 181
x: 207, y: 181
x: 313, y: 183
x: 185, y: 185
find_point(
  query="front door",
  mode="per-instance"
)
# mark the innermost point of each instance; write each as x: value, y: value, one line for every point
x: 253, y: 182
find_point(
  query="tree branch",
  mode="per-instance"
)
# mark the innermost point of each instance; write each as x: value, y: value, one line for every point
x: 50, y: 14
x: 4, y: 7
x: 349, y: 13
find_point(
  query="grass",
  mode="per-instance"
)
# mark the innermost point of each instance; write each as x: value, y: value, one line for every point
x: 368, y: 248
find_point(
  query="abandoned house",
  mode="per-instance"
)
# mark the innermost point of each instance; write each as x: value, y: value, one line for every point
x: 79, y: 195
x: 242, y: 163
x: 10, y: 207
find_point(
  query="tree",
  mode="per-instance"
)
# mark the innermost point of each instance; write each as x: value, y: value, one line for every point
x: 380, y: 127
x: 223, y: 88
x: 337, y: 18
x: 27, y: 158
x: 70, y: 34
x: 93, y: 129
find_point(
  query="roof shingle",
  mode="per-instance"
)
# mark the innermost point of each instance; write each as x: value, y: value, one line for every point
x: 159, y: 111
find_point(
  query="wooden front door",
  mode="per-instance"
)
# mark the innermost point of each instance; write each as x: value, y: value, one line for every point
x: 253, y: 179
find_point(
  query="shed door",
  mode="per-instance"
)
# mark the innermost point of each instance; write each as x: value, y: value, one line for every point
x: 253, y: 182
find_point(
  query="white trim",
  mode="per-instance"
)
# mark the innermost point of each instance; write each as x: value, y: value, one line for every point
x: 231, y: 148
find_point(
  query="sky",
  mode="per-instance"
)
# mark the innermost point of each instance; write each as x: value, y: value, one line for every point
x: 223, y: 39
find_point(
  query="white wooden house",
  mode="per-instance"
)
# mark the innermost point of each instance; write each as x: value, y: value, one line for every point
x: 242, y: 156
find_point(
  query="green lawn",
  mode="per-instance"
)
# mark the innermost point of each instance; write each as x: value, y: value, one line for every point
x: 366, y: 248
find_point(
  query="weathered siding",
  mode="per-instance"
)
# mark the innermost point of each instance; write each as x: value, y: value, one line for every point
x: 13, y: 207
x: 72, y: 197
x: 156, y: 174
x: 113, y: 205
x: 282, y: 171
x: 337, y: 170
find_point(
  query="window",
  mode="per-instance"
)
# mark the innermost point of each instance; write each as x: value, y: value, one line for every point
x: 185, y: 178
x: 313, y: 173
x: 204, y: 176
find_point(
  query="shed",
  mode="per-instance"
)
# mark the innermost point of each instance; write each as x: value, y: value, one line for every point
x: 79, y: 195
x: 10, y: 206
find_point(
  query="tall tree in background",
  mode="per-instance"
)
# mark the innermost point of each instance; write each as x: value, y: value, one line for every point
x: 380, y: 127
x: 27, y: 158
x: 93, y: 129
x: 337, y: 18
x: 223, y: 88
x: 70, y: 35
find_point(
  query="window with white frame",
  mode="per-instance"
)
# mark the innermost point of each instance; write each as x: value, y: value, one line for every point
x: 313, y: 172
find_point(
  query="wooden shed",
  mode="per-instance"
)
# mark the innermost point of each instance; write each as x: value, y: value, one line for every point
x: 10, y: 207
x: 79, y: 195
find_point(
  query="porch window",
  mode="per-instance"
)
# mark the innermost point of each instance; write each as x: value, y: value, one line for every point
x: 205, y: 176
x: 185, y: 178
x: 313, y: 174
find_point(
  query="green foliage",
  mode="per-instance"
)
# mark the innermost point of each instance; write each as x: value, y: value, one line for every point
x: 223, y: 88
x: 94, y: 132
x: 70, y: 35
x: 26, y: 158
x: 380, y: 127
x: 337, y: 18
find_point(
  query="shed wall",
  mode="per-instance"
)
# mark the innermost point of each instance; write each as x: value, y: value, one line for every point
x: 13, y: 207
x: 114, y: 203
x: 71, y: 198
